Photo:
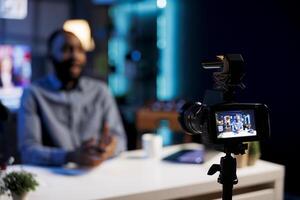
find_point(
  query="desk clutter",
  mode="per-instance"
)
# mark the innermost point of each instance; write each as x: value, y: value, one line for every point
x: 187, y: 156
x: 162, y: 114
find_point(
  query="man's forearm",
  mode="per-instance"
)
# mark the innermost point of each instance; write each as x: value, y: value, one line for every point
x: 40, y: 155
x: 121, y: 144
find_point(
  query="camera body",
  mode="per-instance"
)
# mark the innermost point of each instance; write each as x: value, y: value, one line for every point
x: 226, y: 123
x: 223, y: 121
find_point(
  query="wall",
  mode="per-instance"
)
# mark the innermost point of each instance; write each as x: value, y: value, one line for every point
x: 44, y: 16
x: 35, y: 28
x: 266, y: 33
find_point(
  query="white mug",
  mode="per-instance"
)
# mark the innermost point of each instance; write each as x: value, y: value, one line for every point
x: 152, y: 145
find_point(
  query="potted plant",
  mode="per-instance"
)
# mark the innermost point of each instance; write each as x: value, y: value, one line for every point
x: 3, y: 189
x: 254, y: 152
x: 19, y: 184
x: 242, y: 159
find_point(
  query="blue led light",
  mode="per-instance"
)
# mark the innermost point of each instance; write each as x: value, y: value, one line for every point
x: 136, y: 55
x: 167, y: 84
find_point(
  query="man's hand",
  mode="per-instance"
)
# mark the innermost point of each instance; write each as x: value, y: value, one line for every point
x: 86, y: 155
x: 92, y: 154
x: 108, y: 142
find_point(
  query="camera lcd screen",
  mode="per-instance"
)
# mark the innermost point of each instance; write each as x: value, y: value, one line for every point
x: 237, y: 123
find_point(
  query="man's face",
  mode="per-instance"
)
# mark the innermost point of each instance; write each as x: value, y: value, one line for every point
x: 68, y: 57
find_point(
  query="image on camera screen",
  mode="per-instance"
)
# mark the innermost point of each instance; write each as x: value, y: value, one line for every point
x: 238, y: 123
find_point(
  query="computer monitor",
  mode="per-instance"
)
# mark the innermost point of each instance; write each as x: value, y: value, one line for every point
x: 15, y: 73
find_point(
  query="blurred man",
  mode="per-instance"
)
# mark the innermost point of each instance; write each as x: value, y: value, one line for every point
x: 66, y: 117
x: 237, y: 124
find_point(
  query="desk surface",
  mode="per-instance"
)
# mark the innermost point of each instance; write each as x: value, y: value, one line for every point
x: 131, y: 176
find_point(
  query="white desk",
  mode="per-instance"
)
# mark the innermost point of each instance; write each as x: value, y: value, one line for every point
x: 131, y: 177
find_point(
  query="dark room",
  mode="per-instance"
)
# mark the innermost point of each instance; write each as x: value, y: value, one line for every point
x: 149, y: 99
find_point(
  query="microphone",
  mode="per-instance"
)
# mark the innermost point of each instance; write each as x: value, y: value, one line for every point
x: 216, y: 64
x: 212, y: 65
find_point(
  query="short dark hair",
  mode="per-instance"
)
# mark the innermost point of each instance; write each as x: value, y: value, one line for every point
x: 54, y: 35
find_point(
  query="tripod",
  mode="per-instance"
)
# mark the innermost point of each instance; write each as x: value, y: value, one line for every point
x: 228, y: 81
x: 227, y: 168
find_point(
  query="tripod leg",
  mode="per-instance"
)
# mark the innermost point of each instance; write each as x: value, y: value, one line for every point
x: 227, y: 191
x: 228, y: 175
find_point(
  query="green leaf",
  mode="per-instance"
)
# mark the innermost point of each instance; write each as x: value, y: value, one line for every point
x: 20, y: 182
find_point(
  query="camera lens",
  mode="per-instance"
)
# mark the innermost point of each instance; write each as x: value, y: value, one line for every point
x: 192, y: 117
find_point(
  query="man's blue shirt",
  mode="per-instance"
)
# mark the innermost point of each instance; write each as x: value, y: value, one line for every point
x: 52, y: 122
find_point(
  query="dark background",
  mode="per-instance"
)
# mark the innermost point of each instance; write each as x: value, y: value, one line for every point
x: 267, y: 34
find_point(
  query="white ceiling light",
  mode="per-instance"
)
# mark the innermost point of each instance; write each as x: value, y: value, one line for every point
x: 82, y: 30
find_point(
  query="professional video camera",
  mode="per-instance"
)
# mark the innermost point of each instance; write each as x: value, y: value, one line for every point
x: 226, y: 123
x: 223, y: 122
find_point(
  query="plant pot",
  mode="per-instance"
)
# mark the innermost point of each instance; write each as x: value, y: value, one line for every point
x: 254, y: 152
x: 241, y: 160
x: 252, y: 159
x: 5, y: 197
x: 19, y: 197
